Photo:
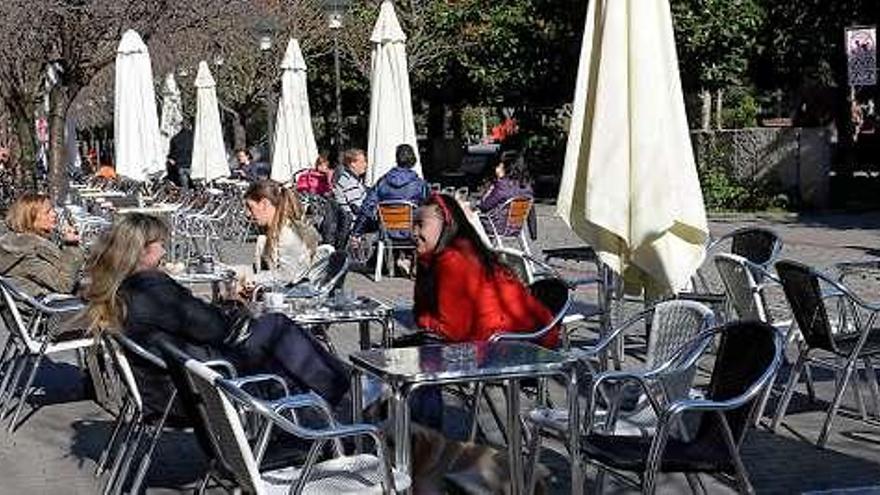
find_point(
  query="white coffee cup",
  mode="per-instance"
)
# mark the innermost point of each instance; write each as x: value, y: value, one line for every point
x: 274, y: 299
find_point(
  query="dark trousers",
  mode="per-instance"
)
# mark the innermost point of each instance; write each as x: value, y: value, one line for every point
x: 278, y: 345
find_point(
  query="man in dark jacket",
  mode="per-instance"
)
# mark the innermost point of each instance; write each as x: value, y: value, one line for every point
x: 400, y: 183
x: 180, y: 151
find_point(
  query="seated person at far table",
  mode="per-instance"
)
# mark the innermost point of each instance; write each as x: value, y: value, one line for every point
x: 316, y: 180
x: 290, y: 241
x: 463, y: 293
x: 511, y: 181
x: 247, y: 169
x: 28, y: 255
x: 129, y: 294
x: 400, y: 183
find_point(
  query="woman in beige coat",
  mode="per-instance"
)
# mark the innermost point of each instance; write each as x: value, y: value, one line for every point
x: 28, y: 256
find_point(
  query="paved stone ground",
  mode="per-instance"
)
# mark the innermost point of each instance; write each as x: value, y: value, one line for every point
x: 55, y: 450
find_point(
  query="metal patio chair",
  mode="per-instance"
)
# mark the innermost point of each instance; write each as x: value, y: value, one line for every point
x: 850, y: 337
x: 395, y: 232
x: 224, y: 400
x: 748, y: 357
x: 30, y: 323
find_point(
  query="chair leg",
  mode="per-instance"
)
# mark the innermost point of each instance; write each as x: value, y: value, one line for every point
x: 475, y: 411
x: 9, y: 399
x: 857, y: 393
x: 695, y: 483
x: 15, y: 360
x: 808, y: 379
x: 389, y: 261
x: 789, y: 390
x: 835, y: 405
x: 871, y: 376
x: 26, y: 390
x: 122, y: 476
x: 125, y: 446
x: 380, y: 254
x: 534, y: 457
x: 762, y: 403
x: 117, y: 429
x: 148, y: 455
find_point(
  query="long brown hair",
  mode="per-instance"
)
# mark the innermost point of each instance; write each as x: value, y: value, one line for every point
x: 288, y: 211
x: 114, y: 258
x: 23, y: 212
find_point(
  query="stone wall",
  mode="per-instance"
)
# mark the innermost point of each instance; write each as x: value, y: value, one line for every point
x: 792, y: 161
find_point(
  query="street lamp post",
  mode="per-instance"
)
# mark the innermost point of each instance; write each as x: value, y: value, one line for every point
x: 335, y: 24
x: 265, y: 49
x: 265, y: 31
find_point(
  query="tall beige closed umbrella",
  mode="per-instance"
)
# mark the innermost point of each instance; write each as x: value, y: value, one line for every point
x: 629, y: 185
x: 209, y: 152
x: 135, y: 124
x: 391, y: 115
x: 294, y: 145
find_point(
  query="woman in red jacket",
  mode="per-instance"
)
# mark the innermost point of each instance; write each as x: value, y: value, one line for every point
x: 462, y: 292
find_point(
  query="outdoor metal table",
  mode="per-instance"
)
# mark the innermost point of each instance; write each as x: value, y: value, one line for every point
x: 215, y: 279
x: 361, y: 310
x: 407, y: 369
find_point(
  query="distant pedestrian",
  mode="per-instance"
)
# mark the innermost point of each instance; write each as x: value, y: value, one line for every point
x: 179, y: 162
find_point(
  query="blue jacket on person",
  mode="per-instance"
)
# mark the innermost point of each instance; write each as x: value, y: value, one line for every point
x: 400, y: 183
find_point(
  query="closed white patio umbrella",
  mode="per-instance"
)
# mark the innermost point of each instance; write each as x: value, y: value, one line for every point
x: 209, y: 152
x: 391, y: 116
x: 629, y: 185
x: 172, y: 112
x: 295, y: 147
x: 135, y: 124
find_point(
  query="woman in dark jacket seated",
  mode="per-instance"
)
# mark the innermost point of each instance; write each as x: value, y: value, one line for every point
x: 127, y: 291
x: 511, y: 181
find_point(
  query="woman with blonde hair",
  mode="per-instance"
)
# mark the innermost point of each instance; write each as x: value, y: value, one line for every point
x: 290, y: 240
x: 29, y: 256
x: 128, y: 293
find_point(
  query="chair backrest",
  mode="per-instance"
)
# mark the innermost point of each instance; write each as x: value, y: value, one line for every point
x: 397, y: 217
x: 515, y: 211
x: 192, y: 401
x: 745, y: 363
x: 741, y: 287
x: 673, y: 325
x: 225, y: 428
x: 517, y: 262
x: 12, y: 315
x: 123, y: 370
x: 556, y: 296
x: 801, y: 285
x: 758, y: 245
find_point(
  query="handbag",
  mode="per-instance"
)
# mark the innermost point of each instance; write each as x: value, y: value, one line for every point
x: 238, y: 320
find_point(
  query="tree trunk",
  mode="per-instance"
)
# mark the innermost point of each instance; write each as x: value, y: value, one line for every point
x: 59, y: 101
x: 706, y: 114
x: 719, y: 106
x: 25, y: 178
x: 239, y: 132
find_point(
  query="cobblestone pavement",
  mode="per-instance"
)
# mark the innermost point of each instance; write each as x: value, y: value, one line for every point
x: 55, y: 451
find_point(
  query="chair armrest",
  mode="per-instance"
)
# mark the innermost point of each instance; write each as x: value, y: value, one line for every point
x: 588, y: 352
x: 222, y: 365
x: 261, y: 378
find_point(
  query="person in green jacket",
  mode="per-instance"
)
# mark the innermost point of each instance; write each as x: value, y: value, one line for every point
x: 29, y: 256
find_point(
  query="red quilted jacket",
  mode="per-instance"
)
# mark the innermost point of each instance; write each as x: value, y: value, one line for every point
x: 472, y: 304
